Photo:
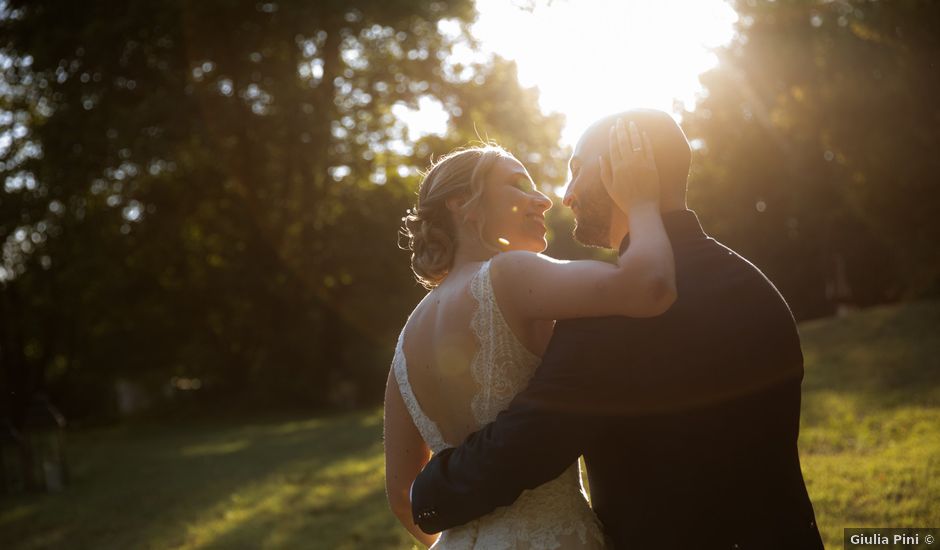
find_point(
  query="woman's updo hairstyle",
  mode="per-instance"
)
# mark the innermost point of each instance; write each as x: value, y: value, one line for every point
x: 429, y: 226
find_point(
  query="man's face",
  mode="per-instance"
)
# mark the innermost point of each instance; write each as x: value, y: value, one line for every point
x: 587, y: 197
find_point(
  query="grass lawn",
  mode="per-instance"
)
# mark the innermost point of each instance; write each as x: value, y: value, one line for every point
x: 870, y: 444
x: 870, y: 429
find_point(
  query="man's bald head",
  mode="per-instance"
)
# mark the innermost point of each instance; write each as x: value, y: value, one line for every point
x: 599, y: 222
x: 670, y: 146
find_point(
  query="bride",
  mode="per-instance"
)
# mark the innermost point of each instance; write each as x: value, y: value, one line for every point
x: 476, y: 338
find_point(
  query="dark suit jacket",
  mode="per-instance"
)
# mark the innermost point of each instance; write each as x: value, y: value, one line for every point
x: 688, y: 422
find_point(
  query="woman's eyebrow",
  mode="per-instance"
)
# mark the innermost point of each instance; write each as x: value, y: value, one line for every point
x: 522, y: 177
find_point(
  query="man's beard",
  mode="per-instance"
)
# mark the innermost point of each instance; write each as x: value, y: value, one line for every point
x: 592, y: 224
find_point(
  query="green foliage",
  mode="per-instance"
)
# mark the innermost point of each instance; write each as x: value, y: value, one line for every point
x: 214, y: 189
x: 813, y: 148
x: 868, y: 444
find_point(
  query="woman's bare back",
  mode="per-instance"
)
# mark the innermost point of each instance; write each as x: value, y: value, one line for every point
x: 440, y: 345
x: 460, y: 364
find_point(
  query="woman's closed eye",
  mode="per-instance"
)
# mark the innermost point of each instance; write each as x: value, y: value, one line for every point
x: 525, y: 184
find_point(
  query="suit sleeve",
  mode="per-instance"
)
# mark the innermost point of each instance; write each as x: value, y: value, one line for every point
x: 541, y: 434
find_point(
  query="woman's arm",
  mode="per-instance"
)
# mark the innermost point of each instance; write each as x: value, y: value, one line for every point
x: 642, y: 284
x: 405, y: 454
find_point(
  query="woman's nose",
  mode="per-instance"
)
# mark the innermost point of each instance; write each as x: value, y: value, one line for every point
x: 543, y: 202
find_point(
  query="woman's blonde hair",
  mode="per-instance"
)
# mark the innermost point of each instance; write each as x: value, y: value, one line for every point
x: 429, y: 226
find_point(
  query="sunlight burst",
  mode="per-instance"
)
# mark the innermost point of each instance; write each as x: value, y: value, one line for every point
x: 590, y: 58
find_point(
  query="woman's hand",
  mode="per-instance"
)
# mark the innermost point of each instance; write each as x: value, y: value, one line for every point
x: 630, y: 176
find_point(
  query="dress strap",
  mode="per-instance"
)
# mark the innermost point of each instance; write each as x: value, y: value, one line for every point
x: 502, y: 365
x: 482, y: 326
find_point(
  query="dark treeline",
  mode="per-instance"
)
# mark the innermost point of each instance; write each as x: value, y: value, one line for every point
x: 207, y: 194
x: 815, y: 149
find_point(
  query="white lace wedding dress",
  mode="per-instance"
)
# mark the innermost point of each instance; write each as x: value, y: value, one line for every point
x: 555, y: 515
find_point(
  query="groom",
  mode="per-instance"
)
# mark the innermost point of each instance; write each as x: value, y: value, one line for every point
x: 688, y: 422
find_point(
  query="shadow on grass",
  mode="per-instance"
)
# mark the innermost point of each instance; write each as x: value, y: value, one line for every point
x: 212, y: 485
x: 884, y: 352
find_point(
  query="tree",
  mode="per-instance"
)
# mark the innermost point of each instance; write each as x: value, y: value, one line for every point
x: 212, y: 190
x: 812, y: 148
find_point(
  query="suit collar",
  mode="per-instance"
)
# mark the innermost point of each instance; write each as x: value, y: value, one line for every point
x: 681, y: 226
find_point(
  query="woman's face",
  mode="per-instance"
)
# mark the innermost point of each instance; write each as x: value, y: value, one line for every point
x: 514, y: 208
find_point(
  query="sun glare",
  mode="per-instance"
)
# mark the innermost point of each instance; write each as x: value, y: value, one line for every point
x: 590, y: 58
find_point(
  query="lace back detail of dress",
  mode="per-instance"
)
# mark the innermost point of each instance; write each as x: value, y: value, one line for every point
x: 428, y: 429
x: 502, y: 366
x: 553, y: 516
